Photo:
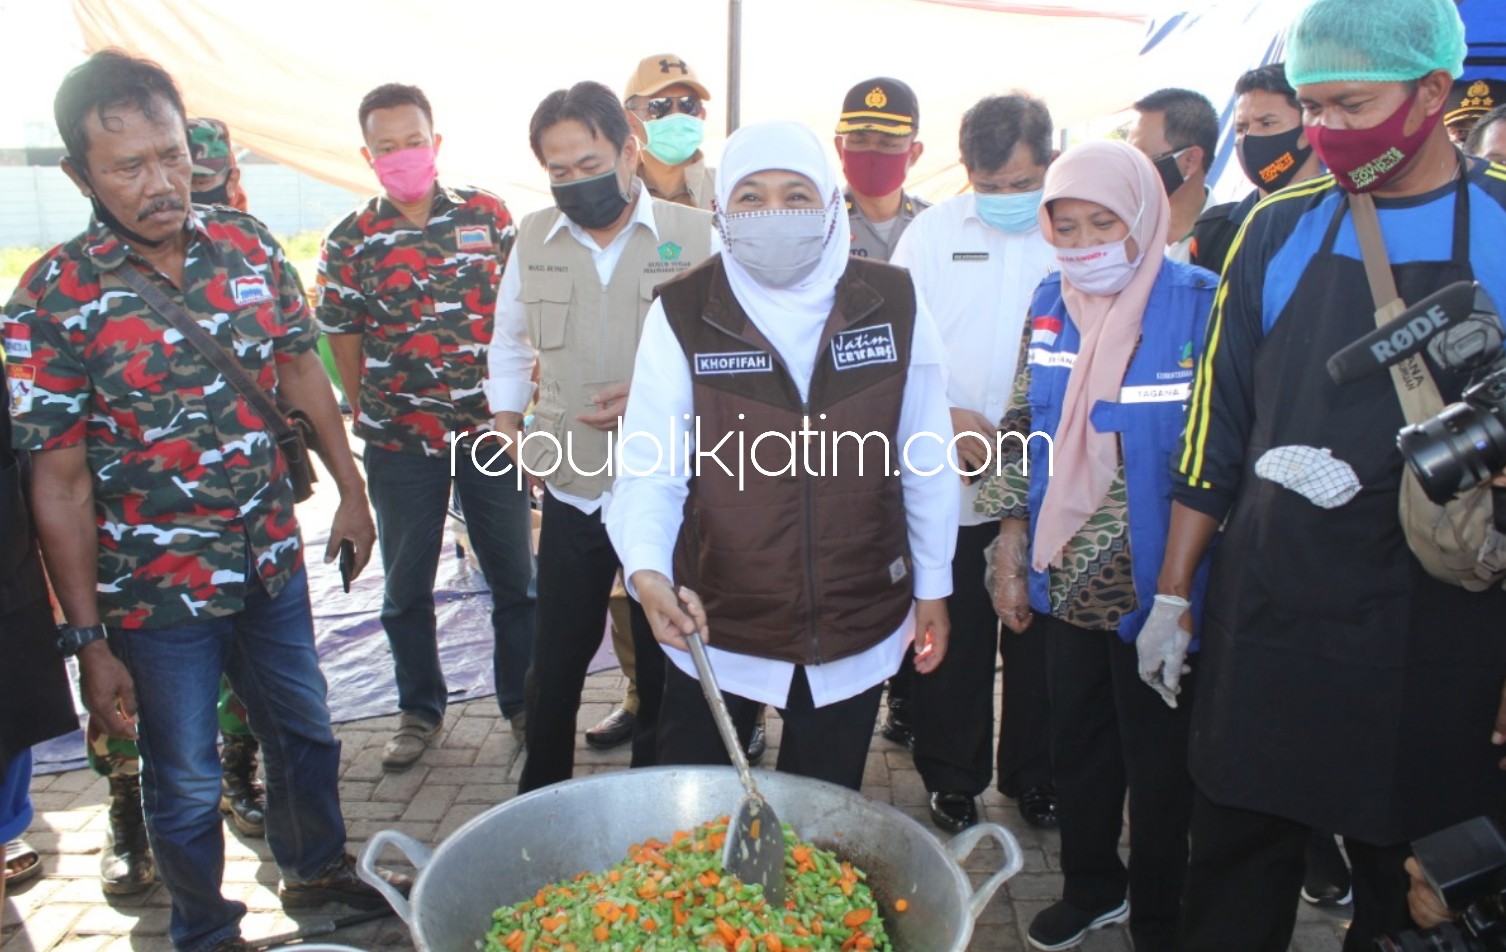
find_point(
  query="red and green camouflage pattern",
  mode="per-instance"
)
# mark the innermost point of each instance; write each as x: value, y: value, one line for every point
x: 185, y: 474
x: 423, y: 301
x: 120, y: 757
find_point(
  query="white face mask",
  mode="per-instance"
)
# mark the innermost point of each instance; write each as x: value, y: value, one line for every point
x: 779, y: 248
x: 1100, y: 270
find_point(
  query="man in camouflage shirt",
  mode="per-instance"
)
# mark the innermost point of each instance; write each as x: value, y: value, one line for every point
x: 407, y: 291
x: 125, y: 864
x: 163, y: 506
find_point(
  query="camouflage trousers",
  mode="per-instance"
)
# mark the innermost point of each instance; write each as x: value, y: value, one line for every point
x: 118, y: 757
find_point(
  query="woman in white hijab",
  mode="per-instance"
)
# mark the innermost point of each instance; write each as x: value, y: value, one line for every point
x: 807, y: 551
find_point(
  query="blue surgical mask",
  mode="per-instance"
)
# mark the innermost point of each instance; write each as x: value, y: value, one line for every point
x: 1013, y: 213
x: 675, y: 138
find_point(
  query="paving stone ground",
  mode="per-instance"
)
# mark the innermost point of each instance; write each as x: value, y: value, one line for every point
x: 475, y: 765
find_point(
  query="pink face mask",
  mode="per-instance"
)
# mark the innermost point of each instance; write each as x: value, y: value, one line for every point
x: 407, y: 175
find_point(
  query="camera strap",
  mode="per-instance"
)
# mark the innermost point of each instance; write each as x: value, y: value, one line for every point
x: 1420, y: 399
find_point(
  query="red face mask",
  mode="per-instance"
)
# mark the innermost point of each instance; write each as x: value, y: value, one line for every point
x: 875, y: 174
x: 1365, y: 159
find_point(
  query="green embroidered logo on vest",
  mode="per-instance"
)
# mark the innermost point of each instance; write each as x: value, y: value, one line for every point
x: 1186, y: 360
x: 669, y: 251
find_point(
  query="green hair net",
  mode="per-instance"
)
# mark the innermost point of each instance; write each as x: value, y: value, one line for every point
x: 1374, y: 41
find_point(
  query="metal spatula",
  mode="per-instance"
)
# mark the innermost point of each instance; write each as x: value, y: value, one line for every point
x: 755, y: 840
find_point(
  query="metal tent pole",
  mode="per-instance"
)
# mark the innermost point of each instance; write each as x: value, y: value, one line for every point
x: 734, y: 63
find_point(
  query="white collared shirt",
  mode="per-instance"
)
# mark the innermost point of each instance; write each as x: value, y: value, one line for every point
x: 977, y: 282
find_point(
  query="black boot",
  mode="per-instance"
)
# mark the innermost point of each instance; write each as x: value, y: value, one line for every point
x: 125, y: 864
x: 241, y: 797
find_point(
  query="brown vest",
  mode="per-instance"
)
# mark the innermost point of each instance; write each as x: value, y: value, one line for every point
x: 797, y: 567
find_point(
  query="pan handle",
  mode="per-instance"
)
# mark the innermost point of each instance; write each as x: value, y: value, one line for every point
x: 961, y: 846
x: 417, y: 853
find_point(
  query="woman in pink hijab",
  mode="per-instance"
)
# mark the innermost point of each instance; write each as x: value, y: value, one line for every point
x: 1108, y: 368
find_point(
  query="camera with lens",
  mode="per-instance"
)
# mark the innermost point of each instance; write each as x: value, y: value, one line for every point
x: 1460, y: 328
x: 1466, y: 866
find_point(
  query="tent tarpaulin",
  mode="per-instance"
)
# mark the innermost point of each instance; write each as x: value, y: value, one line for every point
x: 288, y: 79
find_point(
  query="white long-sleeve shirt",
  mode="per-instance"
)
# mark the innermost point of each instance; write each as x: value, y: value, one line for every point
x: 644, y: 517
x: 978, y: 282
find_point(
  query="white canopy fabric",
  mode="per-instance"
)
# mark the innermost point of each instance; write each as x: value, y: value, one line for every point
x: 288, y: 79
x: 287, y: 76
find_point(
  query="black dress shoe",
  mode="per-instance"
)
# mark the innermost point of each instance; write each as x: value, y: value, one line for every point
x: 953, y: 812
x: 898, y: 727
x: 615, y: 729
x: 1038, y: 807
x: 757, y: 744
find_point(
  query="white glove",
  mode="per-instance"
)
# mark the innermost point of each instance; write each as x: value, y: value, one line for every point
x: 1162, y: 647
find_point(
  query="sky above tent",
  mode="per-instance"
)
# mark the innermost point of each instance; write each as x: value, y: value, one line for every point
x: 288, y: 79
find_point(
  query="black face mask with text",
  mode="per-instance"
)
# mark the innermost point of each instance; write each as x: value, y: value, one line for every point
x: 1271, y: 162
x: 593, y: 202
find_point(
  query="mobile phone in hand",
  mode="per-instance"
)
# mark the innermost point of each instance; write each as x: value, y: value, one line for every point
x: 347, y: 562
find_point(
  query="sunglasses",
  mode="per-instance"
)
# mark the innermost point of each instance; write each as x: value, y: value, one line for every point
x: 664, y: 105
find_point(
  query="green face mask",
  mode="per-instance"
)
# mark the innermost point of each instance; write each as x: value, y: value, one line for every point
x: 675, y: 138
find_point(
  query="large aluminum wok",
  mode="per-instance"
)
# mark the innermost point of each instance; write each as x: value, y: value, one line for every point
x: 509, y: 852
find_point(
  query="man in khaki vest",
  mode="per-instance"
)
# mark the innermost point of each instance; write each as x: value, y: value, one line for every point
x: 666, y: 106
x: 573, y: 297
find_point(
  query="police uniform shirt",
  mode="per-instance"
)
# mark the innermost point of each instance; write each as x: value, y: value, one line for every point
x: 867, y: 242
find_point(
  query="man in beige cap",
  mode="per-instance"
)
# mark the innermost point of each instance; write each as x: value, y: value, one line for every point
x: 666, y: 109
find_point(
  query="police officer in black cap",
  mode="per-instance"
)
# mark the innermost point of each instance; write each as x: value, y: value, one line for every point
x: 876, y: 141
x: 1468, y: 101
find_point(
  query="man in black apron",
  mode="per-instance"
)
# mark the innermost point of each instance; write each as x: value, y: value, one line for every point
x: 1343, y: 688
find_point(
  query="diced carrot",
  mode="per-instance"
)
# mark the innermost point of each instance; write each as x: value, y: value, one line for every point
x: 865, y: 941
x: 631, y: 912
x: 601, y: 932
x: 800, y: 854
x: 856, y: 917
x: 614, y: 877
x: 900, y: 905
x: 725, y: 930
x: 771, y: 942
x: 649, y: 925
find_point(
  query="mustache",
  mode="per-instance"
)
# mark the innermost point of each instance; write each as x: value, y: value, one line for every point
x: 160, y: 205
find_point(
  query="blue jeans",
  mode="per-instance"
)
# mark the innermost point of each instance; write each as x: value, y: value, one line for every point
x: 267, y: 651
x: 411, y: 495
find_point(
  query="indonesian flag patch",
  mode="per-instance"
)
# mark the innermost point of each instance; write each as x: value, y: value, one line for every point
x: 1043, y: 331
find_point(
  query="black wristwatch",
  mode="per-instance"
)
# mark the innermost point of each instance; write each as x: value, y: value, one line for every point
x: 71, y: 640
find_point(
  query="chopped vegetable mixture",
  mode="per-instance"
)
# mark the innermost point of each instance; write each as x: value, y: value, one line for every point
x: 674, y: 896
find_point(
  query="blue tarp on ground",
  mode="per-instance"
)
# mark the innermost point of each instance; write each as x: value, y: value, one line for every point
x: 353, y: 650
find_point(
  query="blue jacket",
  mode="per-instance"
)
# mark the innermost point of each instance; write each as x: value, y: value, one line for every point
x: 1149, y: 415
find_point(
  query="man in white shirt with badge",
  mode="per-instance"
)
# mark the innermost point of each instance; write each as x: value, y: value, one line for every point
x: 976, y: 259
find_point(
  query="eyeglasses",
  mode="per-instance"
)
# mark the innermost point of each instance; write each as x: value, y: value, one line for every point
x: 664, y: 105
